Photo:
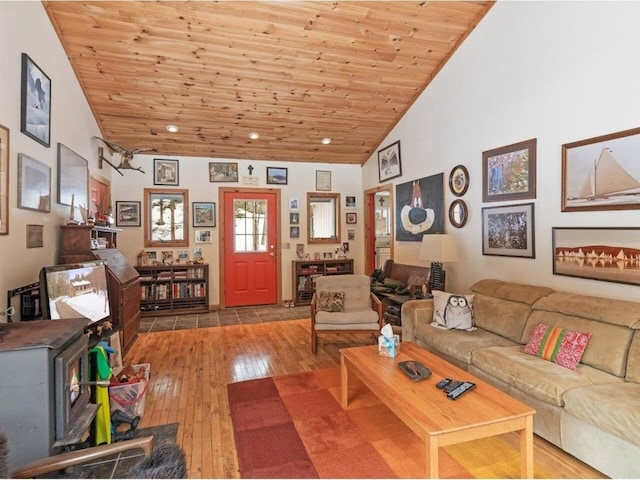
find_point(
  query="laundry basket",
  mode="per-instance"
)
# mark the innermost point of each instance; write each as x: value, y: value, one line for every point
x: 129, y: 396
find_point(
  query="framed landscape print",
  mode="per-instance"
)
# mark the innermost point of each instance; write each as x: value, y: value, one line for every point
x: 128, y: 214
x: 277, y: 176
x: 73, y: 178
x: 509, y: 231
x: 509, y: 173
x: 389, y: 164
x: 35, y: 111
x: 204, y: 214
x: 4, y: 180
x: 223, y: 172
x: 602, y: 173
x: 609, y: 254
x: 165, y: 172
x: 34, y: 184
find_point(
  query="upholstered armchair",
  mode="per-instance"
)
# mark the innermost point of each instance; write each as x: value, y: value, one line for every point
x: 344, y: 304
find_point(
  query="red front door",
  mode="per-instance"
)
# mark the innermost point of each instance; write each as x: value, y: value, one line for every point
x: 250, y: 239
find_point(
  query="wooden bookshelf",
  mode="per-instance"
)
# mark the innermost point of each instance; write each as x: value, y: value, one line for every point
x: 305, y: 272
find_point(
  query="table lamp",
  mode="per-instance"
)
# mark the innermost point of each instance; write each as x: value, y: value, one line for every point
x: 438, y: 249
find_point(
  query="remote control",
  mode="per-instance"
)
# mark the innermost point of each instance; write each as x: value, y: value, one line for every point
x: 452, y: 386
x: 465, y: 387
x: 443, y: 383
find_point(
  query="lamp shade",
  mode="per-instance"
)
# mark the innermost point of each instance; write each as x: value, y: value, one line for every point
x: 439, y: 248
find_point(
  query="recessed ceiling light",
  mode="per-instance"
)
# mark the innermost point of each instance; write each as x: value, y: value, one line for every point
x: 326, y: 141
x: 254, y: 135
x: 172, y: 128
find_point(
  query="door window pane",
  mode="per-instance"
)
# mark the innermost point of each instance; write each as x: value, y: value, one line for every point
x: 250, y: 226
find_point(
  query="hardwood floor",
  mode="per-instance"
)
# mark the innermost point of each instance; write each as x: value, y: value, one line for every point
x: 191, y: 368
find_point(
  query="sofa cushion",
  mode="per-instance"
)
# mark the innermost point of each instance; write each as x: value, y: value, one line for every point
x: 452, y: 311
x: 331, y: 301
x: 503, y: 307
x: 362, y: 320
x: 458, y: 344
x: 538, y: 378
x: 633, y: 359
x: 558, y: 345
x: 610, y: 340
x: 613, y: 408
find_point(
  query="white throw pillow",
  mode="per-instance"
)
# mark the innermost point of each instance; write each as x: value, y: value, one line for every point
x: 452, y: 311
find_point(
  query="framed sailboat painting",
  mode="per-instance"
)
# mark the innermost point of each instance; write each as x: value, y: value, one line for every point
x: 602, y: 173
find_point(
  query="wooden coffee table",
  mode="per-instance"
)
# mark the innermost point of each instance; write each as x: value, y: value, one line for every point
x: 482, y: 412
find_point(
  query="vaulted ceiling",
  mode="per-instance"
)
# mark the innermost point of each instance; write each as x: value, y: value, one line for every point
x: 293, y: 71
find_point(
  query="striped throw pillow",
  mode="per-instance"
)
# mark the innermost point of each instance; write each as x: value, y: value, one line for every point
x: 558, y: 345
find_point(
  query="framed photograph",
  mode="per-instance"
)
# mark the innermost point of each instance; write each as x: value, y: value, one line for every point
x: 509, y: 231
x: 350, y: 201
x: 223, y: 172
x: 34, y: 184
x: 323, y: 180
x: 602, y: 173
x: 167, y: 256
x: 203, y: 236
x: 204, y: 214
x: 152, y: 254
x: 35, y: 111
x: 459, y: 180
x: 352, y: 218
x: 294, y: 204
x: 420, y: 208
x: 509, y: 172
x: 608, y: 254
x: 277, y: 176
x: 34, y: 236
x: 4, y: 180
x: 165, y: 172
x: 294, y: 232
x: 183, y: 256
x: 128, y: 214
x: 389, y: 165
x: 73, y: 178
x: 351, y: 234
x: 294, y: 218
x: 328, y: 256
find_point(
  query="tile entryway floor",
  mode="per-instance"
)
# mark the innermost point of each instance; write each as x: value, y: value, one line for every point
x: 228, y: 316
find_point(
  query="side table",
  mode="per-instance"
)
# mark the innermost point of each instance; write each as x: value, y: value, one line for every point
x: 392, y: 308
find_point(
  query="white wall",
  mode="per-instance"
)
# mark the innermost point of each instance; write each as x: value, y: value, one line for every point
x: 555, y: 71
x: 194, y: 175
x: 25, y: 27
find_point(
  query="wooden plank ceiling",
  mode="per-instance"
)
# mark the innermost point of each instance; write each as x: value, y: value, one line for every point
x: 293, y: 71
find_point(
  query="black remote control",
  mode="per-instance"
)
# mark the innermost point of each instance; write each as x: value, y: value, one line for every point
x: 443, y: 383
x: 452, y: 386
x: 465, y: 387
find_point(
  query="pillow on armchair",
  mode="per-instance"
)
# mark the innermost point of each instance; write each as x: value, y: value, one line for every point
x: 452, y: 311
x: 331, y: 301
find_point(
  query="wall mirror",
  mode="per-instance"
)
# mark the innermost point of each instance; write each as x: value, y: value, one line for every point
x: 166, y: 217
x: 458, y: 213
x: 323, y: 224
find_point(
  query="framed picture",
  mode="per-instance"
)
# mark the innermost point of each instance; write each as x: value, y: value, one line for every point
x: 352, y: 218
x: 128, y: 214
x: 183, y: 256
x: 509, y: 231
x: 602, y: 173
x: 328, y: 256
x: 35, y: 111
x: 203, y: 236
x: 223, y: 172
x: 167, y: 256
x: 389, y: 164
x: 294, y: 232
x: 459, y: 180
x: 4, y: 180
x: 34, y: 236
x: 323, y: 180
x: 351, y: 234
x: 609, y: 254
x: 420, y: 208
x: 152, y: 254
x: 294, y: 218
x: 204, y: 214
x: 34, y: 184
x: 73, y: 178
x: 509, y: 172
x: 350, y: 201
x: 277, y: 176
x: 165, y: 172
x: 294, y: 204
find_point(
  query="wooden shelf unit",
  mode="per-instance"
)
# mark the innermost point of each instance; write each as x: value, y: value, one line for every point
x: 173, y: 289
x: 306, y: 271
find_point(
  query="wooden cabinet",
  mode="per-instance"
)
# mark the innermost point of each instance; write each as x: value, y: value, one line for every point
x: 174, y: 289
x: 305, y: 273
x: 123, y: 281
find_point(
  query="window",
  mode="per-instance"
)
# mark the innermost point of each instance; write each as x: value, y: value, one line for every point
x: 166, y: 222
x: 250, y: 226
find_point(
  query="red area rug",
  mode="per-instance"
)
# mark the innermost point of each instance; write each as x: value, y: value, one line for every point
x: 293, y: 426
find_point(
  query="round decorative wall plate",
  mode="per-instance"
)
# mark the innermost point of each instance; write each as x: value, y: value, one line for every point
x: 458, y: 213
x: 459, y: 180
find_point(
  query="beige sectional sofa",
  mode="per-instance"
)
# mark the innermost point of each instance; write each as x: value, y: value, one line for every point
x: 592, y: 413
